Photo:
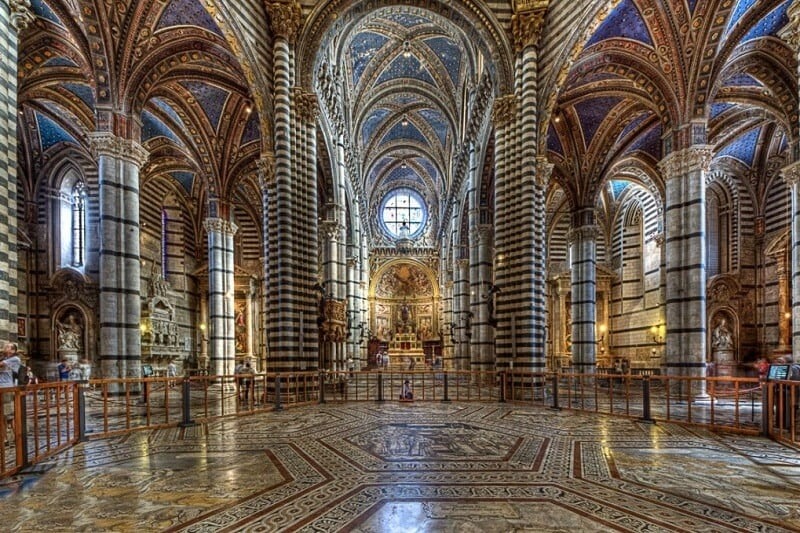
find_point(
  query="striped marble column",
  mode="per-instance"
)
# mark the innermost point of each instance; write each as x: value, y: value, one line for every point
x: 293, y: 239
x: 119, y: 161
x: 684, y: 173
x: 583, y: 251
x: 482, y: 341
x: 792, y: 177
x: 503, y: 115
x: 266, y: 182
x: 461, y: 315
x: 221, y: 315
x: 519, y: 211
x: 448, y: 320
x: 14, y: 18
x: 791, y: 34
x: 353, y: 320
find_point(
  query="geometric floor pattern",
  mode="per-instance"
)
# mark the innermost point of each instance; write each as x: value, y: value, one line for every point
x: 413, y: 467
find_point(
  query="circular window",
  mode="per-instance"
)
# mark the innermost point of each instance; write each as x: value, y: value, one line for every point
x: 403, y: 213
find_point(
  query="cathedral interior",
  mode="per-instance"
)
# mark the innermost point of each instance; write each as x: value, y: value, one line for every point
x: 467, y: 185
x: 477, y: 186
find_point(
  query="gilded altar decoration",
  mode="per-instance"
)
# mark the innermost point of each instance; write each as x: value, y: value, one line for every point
x: 404, y: 280
x: 334, y: 325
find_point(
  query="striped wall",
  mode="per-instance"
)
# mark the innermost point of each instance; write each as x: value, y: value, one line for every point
x: 636, y: 302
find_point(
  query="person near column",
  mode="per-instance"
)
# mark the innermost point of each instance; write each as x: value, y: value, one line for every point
x: 172, y: 373
x: 86, y: 369
x: 64, y: 370
x: 247, y: 380
x: 407, y: 392
x: 8, y: 366
x: 238, y: 371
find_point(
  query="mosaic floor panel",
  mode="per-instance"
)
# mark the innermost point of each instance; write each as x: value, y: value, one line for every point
x: 413, y: 467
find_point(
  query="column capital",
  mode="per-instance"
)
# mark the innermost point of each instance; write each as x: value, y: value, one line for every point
x: 791, y: 173
x: 681, y: 162
x: 462, y: 263
x: 220, y: 225
x: 526, y: 28
x: 331, y: 229
x: 505, y: 110
x: 485, y: 232
x: 266, y: 169
x: 108, y: 144
x: 583, y: 233
x: 791, y: 32
x: 306, y: 104
x: 285, y: 19
x: 21, y: 14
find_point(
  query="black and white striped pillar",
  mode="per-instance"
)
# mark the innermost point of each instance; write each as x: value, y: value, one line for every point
x: 221, y: 313
x: 792, y: 176
x: 120, y: 346
x: 583, y: 253
x: 684, y: 173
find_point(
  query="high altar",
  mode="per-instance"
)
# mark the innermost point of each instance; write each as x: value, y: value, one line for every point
x: 404, y: 304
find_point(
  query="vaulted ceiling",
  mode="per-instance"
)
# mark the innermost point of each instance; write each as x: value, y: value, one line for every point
x: 168, y: 66
x: 408, y: 73
x: 651, y: 68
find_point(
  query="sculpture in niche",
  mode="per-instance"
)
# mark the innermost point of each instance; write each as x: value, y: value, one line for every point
x: 70, y: 334
x: 721, y: 337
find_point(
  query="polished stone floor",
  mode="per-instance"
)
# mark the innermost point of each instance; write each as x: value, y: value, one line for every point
x: 413, y: 467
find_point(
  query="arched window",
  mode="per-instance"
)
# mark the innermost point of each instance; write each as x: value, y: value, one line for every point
x: 403, y: 211
x: 79, y: 224
x: 70, y: 230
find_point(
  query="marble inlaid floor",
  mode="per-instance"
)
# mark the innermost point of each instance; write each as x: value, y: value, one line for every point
x: 413, y: 467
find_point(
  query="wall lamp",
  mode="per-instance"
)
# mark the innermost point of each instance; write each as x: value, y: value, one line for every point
x: 657, y: 332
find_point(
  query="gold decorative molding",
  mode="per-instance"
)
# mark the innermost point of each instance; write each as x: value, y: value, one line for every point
x: 108, y: 144
x: 504, y: 111
x: 334, y: 321
x: 285, y: 18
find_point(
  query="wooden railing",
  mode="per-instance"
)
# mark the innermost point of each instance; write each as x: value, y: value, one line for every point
x: 53, y: 416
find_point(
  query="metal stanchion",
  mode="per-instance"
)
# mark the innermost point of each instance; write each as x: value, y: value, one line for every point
x: 322, y: 387
x: 502, y: 387
x: 380, y: 387
x: 446, y: 398
x: 278, y: 405
x: 555, y: 405
x: 82, y: 386
x: 646, y: 401
x: 186, y: 388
